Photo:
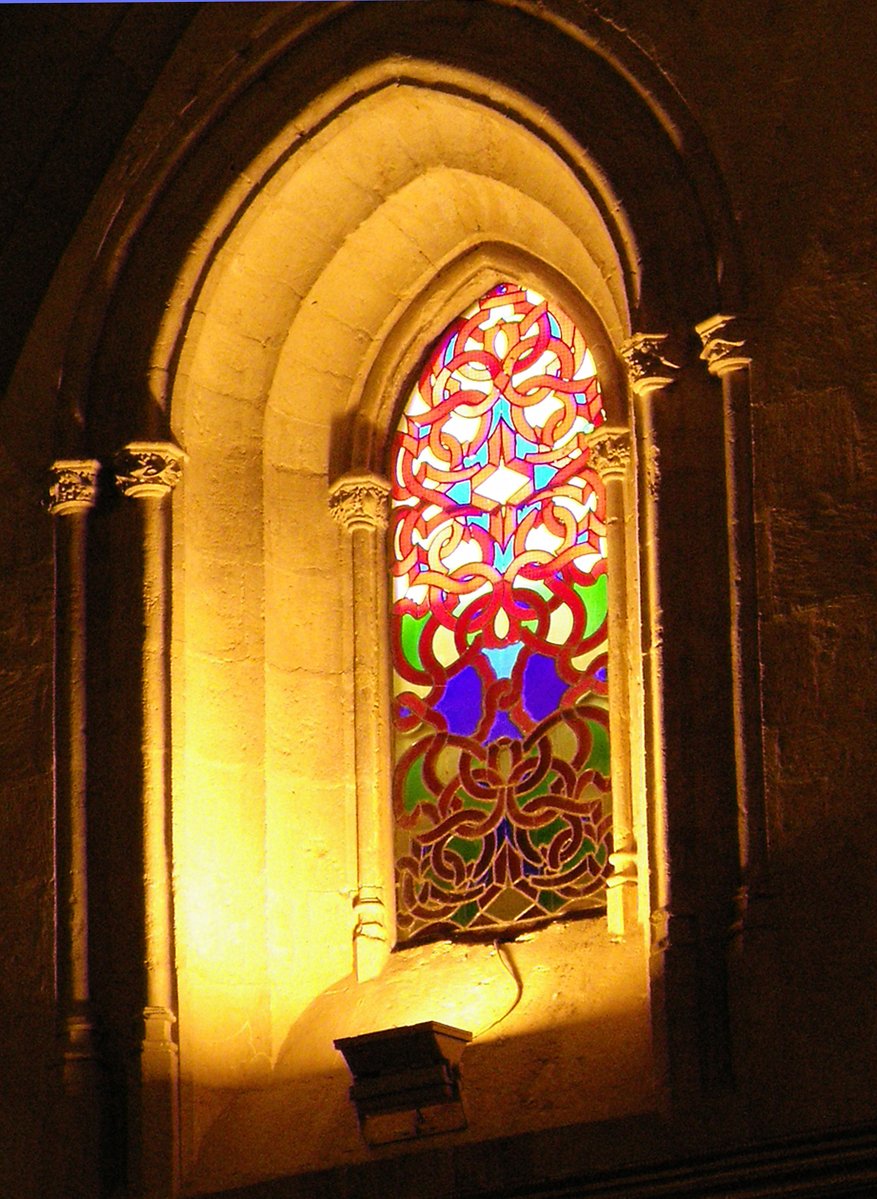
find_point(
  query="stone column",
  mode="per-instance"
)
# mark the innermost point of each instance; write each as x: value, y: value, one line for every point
x: 727, y: 359
x: 673, y: 958
x: 610, y: 457
x: 751, y: 946
x: 147, y: 473
x: 72, y: 493
x: 648, y: 373
x: 359, y: 502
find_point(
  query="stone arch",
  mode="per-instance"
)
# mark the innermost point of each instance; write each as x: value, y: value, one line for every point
x: 265, y: 316
x: 320, y: 371
x: 391, y: 368
x: 311, y: 348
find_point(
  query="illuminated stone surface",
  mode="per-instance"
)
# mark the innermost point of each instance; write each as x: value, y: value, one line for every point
x: 247, y: 252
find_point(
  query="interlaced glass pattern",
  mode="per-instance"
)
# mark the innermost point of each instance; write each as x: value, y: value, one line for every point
x: 498, y: 626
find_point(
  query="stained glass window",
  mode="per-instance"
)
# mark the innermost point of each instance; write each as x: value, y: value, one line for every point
x: 498, y: 626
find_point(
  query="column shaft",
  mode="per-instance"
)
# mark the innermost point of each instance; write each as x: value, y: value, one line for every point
x: 155, y: 815
x: 610, y: 455
x: 674, y: 959
x: 649, y: 373
x: 359, y: 502
x: 724, y: 351
x: 147, y: 472
x: 72, y: 494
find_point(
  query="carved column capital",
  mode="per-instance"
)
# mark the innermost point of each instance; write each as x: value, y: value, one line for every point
x: 360, y: 500
x: 72, y: 486
x: 647, y: 369
x: 609, y: 452
x: 148, y: 468
x: 724, y: 344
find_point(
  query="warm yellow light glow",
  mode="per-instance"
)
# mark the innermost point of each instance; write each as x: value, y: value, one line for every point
x: 266, y: 850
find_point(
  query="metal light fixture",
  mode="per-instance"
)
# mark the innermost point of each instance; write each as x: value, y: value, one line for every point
x: 406, y: 1081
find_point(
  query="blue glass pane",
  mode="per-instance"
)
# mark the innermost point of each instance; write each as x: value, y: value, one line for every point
x: 461, y: 703
x: 500, y: 412
x: 543, y: 690
x: 503, y: 727
x: 502, y: 660
x: 542, y: 475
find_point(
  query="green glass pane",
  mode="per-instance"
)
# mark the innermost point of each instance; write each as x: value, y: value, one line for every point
x: 414, y: 790
x: 542, y: 789
x: 465, y: 915
x: 467, y: 850
x: 599, y: 759
x: 586, y: 847
x: 469, y: 802
x: 546, y: 834
x: 550, y: 901
x: 412, y: 627
x: 594, y: 597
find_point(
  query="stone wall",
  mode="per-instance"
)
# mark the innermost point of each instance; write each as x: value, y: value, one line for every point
x: 231, y: 227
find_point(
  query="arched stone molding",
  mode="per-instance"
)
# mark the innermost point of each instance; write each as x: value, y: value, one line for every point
x: 312, y: 344
x: 184, y: 115
x: 335, y: 385
x: 404, y: 110
x: 414, y: 209
x: 683, y: 183
x: 389, y: 371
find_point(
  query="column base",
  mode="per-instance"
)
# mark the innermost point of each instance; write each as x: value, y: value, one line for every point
x: 78, y: 1166
x: 621, y: 894
x: 155, y: 1136
x: 371, y: 940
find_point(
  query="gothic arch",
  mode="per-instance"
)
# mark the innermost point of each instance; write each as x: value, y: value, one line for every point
x: 265, y: 319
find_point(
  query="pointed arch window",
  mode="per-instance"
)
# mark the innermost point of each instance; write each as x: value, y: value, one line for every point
x: 501, y: 788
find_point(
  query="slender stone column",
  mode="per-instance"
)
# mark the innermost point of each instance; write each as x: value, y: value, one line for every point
x: 610, y: 457
x: 72, y: 493
x: 147, y: 472
x: 649, y: 373
x: 359, y: 501
x: 673, y: 958
x: 727, y: 359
